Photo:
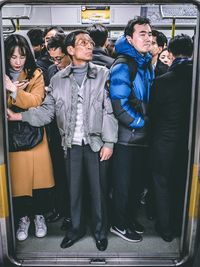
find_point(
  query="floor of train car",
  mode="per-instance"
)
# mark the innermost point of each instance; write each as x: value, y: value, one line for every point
x: 151, y: 245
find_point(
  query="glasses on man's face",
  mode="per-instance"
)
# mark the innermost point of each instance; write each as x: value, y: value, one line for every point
x: 85, y: 43
x: 56, y: 59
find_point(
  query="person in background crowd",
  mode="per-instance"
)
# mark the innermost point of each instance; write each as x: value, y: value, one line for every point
x: 37, y: 41
x: 58, y: 54
x: 165, y: 57
x: 111, y: 48
x: 44, y: 62
x: 78, y: 96
x: 129, y: 104
x: 169, y: 115
x: 99, y: 34
x: 31, y: 170
x: 158, y: 44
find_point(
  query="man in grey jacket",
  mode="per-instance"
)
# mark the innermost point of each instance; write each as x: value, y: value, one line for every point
x: 78, y: 97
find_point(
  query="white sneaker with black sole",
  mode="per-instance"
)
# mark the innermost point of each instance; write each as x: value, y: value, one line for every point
x: 126, y: 234
x: 22, y: 231
x: 40, y: 226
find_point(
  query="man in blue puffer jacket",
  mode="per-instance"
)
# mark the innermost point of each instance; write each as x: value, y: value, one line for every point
x: 129, y: 100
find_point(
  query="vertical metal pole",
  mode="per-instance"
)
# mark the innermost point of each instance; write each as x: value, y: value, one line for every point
x: 173, y: 27
x: 17, y: 25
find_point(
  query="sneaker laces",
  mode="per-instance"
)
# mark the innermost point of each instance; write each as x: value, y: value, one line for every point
x: 40, y: 221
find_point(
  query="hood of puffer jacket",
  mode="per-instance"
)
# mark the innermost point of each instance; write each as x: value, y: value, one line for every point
x: 122, y: 46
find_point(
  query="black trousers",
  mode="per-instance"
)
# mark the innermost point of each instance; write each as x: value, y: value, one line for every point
x: 30, y: 206
x: 58, y: 196
x: 82, y: 161
x: 169, y: 188
x: 169, y: 202
x: 128, y: 173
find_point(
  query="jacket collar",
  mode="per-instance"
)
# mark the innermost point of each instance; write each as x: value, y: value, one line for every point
x: 123, y: 47
x: 92, y: 71
x: 100, y: 50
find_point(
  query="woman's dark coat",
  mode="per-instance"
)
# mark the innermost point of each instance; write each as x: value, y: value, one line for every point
x: 169, y: 116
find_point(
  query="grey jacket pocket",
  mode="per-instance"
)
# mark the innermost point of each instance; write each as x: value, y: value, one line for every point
x: 96, y: 117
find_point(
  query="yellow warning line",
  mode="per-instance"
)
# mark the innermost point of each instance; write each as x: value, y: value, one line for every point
x: 194, y: 196
x: 3, y: 193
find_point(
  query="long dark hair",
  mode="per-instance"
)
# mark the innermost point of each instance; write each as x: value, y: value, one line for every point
x: 17, y: 40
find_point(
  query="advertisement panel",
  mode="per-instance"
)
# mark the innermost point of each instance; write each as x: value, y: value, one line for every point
x: 95, y: 14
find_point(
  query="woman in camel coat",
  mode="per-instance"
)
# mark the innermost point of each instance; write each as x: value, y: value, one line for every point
x: 31, y: 170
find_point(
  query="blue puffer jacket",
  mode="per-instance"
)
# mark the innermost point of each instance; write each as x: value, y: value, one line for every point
x: 130, y: 120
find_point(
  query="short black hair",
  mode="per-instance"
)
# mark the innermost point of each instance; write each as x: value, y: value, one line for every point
x: 98, y: 33
x: 181, y: 45
x: 57, y: 41
x: 71, y: 37
x: 36, y: 36
x: 56, y: 28
x: 129, y: 29
x: 161, y: 39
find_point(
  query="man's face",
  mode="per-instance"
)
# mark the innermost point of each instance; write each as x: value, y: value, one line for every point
x: 49, y: 35
x: 141, y: 38
x: 82, y: 50
x: 155, y: 49
x: 37, y: 50
x: 58, y: 57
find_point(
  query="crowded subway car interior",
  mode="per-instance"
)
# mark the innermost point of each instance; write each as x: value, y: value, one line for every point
x: 169, y: 17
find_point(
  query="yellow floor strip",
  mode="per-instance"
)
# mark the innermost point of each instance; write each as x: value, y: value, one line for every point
x: 3, y: 193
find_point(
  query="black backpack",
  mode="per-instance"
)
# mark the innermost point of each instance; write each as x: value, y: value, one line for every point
x: 130, y: 62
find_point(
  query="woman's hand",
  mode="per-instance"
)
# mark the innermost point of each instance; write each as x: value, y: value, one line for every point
x: 12, y: 116
x: 10, y: 86
x: 21, y: 84
x: 13, y: 86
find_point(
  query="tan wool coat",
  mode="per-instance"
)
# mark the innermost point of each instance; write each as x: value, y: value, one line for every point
x: 31, y: 169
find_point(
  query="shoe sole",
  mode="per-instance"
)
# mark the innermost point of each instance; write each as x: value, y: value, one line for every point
x: 139, y: 232
x: 125, y: 238
x: 40, y: 236
x: 23, y: 239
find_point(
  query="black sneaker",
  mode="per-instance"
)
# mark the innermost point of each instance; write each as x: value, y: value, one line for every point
x: 137, y: 227
x: 126, y: 234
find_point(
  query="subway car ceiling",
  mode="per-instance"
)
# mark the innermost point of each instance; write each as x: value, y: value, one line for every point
x: 25, y: 16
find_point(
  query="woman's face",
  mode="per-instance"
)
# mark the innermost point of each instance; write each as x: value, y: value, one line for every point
x: 165, y: 57
x: 17, y: 61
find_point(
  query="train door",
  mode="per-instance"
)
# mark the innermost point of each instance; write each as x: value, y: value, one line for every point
x: 7, y: 242
x: 152, y: 251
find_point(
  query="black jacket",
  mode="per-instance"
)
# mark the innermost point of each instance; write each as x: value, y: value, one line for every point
x: 160, y: 68
x: 169, y: 116
x: 101, y: 57
x: 43, y: 63
x: 52, y: 70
